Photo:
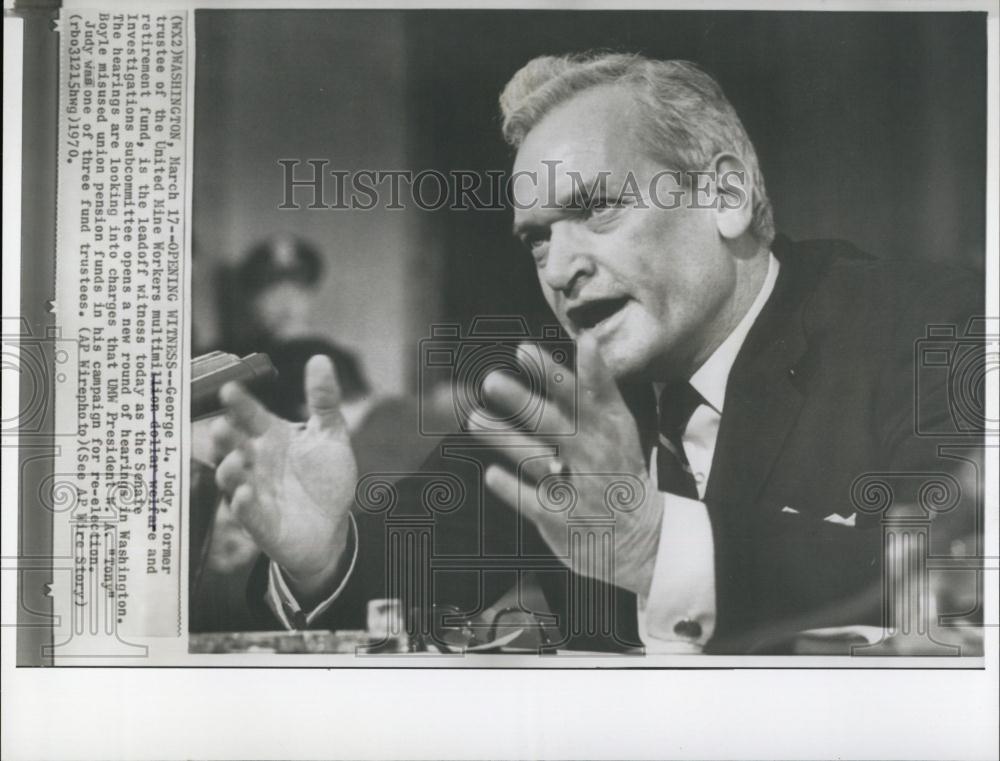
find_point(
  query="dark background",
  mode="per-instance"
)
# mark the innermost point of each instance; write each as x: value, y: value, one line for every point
x: 869, y: 127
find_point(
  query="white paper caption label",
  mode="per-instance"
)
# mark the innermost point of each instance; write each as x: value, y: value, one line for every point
x: 117, y: 532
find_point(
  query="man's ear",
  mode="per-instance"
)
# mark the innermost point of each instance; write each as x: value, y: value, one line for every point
x: 733, y: 196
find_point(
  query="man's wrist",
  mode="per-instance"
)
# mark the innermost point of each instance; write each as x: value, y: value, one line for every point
x: 639, y: 576
x: 310, y: 588
x: 636, y: 548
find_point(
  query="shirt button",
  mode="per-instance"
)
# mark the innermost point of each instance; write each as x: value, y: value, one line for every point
x: 688, y: 629
x: 699, y: 477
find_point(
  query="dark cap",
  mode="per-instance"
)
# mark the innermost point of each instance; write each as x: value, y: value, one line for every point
x: 280, y: 259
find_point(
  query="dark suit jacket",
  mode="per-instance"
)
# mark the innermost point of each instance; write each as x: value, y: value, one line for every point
x: 823, y: 405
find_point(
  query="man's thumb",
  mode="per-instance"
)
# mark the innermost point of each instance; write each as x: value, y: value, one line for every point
x: 323, y: 393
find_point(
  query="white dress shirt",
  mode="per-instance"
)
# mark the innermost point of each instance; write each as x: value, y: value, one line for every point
x: 678, y: 616
x: 683, y: 586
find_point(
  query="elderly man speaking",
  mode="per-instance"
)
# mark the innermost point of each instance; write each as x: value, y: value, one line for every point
x: 741, y: 386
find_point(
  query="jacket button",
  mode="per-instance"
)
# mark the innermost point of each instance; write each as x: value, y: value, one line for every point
x: 688, y: 629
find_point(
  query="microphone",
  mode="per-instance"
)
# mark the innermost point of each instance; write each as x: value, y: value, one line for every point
x: 210, y: 372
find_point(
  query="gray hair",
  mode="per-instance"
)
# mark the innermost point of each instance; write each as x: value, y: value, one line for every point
x: 684, y: 116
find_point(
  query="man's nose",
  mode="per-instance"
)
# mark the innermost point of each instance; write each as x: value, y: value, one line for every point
x: 568, y: 261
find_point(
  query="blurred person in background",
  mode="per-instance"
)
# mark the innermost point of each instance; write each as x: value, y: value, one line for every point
x: 267, y: 302
x: 274, y: 296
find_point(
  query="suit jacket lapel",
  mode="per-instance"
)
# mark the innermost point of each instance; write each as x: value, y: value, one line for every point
x: 763, y: 395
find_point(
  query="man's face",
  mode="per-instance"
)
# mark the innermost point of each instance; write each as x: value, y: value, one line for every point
x: 655, y: 286
x: 282, y: 309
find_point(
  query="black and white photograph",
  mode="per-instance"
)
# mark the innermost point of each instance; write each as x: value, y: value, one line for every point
x: 640, y: 332
x: 511, y: 380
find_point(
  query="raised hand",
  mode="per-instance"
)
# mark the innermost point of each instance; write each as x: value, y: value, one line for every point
x: 597, y: 473
x: 291, y: 485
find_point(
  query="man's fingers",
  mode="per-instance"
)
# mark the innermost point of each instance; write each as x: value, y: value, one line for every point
x: 507, y: 396
x: 557, y: 377
x: 232, y: 471
x: 245, y: 412
x: 323, y: 394
x: 534, y: 457
x: 518, y: 406
x: 504, y: 485
x: 595, y: 378
x: 242, y: 500
x: 520, y: 496
x: 225, y: 437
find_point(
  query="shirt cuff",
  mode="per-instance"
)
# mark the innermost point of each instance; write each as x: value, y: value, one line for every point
x: 283, y: 603
x: 678, y: 616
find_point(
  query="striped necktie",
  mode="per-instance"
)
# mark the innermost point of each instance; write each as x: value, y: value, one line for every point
x: 678, y: 401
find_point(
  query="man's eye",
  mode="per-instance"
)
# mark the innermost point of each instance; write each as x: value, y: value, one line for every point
x: 536, y: 242
x: 603, y: 206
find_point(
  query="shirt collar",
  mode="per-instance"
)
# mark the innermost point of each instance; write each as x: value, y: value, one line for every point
x: 711, y: 378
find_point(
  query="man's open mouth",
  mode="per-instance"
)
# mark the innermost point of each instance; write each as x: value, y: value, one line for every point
x: 588, y: 315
